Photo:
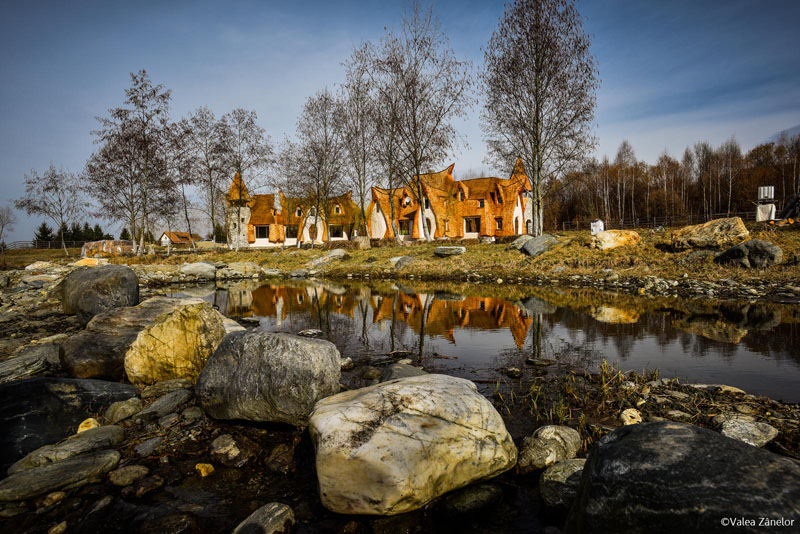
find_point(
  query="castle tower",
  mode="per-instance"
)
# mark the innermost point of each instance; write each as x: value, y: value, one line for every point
x: 238, y: 216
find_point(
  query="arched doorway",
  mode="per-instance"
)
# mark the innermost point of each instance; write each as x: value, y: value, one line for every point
x: 430, y: 226
x: 516, y: 226
x: 528, y: 226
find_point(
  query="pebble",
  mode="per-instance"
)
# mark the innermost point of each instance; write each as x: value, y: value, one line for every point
x: 204, y: 469
x: 147, y: 448
x: 125, y: 476
x: 631, y: 416
x: 88, y: 424
x: 58, y: 529
x: 53, y: 498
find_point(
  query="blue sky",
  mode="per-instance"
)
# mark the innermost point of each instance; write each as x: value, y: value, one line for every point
x: 673, y: 73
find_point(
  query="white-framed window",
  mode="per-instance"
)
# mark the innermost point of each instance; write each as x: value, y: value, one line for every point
x: 262, y: 231
x: 480, y: 203
x: 337, y: 209
x: 427, y: 203
x: 461, y: 194
x: 499, y: 223
x: 299, y: 212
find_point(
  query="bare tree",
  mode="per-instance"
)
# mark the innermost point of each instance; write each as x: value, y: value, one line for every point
x: 358, y: 128
x: 319, y: 154
x: 131, y: 139
x: 7, y: 221
x: 731, y: 156
x: 53, y: 194
x: 540, y: 81
x: 625, y: 163
x: 208, y: 171
x: 246, y: 150
x: 432, y: 87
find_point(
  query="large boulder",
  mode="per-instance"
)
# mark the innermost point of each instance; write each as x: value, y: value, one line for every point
x: 611, y: 239
x: 36, y: 359
x: 559, y: 483
x: 107, y: 247
x: 261, y: 376
x: 446, y: 252
x: 40, y: 411
x: 715, y: 233
x: 393, y: 447
x: 65, y: 474
x: 673, y: 477
x: 753, y: 254
x: 398, y: 262
x: 160, y: 339
x: 88, y: 291
x: 538, y: 245
x: 200, y: 269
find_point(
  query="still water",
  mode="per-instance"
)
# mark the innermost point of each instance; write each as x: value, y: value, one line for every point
x: 474, y: 331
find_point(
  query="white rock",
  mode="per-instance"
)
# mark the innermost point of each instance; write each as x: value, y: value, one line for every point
x: 751, y: 432
x: 392, y: 448
x: 199, y: 270
x: 631, y: 416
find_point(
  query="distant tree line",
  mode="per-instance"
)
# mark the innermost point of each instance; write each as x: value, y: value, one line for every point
x: 705, y: 182
x: 73, y: 233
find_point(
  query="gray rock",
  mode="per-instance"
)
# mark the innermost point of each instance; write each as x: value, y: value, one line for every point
x: 159, y: 389
x: 398, y: 262
x: 720, y: 419
x: 125, y: 476
x: 673, y: 477
x: 470, y: 499
x: 102, y: 437
x: 168, y: 420
x: 272, y: 518
x: 271, y: 273
x: 362, y: 242
x: 548, y: 445
x: 260, y: 376
x: 399, y: 370
x: 225, y: 450
x: 147, y: 448
x: 192, y: 414
x: 34, y: 360
x: 444, y: 252
x: 88, y: 291
x: 753, y: 254
x: 39, y: 411
x: 559, y: 483
x: 165, y: 405
x: 121, y: 410
x: 754, y: 433
x: 65, y: 474
x: 199, y: 270
x: 299, y: 273
x: 519, y: 242
x: 538, y: 245
x: 335, y: 254
x: 160, y: 339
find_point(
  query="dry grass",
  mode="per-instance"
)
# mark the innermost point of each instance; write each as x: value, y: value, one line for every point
x: 571, y: 256
x: 18, y: 259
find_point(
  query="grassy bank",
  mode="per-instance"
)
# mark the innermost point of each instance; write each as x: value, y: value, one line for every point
x: 571, y: 256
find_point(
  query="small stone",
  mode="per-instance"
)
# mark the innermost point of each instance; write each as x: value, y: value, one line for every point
x: 225, y: 450
x: 58, y: 529
x: 628, y: 385
x: 102, y: 503
x: 165, y: 404
x: 753, y: 433
x: 53, y: 498
x: 192, y: 414
x: 371, y: 373
x: 119, y: 411
x: 720, y: 419
x: 677, y: 415
x: 204, y: 469
x: 125, y: 476
x: 347, y: 364
x: 159, y: 389
x: 512, y: 372
x: 272, y: 518
x: 168, y: 420
x: 470, y: 499
x: 147, y: 448
x: 280, y: 458
x: 145, y: 486
x: 631, y: 416
x: 548, y: 445
x: 746, y: 409
x: 311, y: 332
x: 87, y: 425
x: 678, y: 395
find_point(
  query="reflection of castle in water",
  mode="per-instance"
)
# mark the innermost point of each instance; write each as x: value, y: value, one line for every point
x: 426, y: 314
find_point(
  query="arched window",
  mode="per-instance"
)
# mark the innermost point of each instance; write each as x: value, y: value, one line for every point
x: 337, y: 209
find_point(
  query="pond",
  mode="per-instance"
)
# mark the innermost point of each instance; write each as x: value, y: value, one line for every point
x: 477, y: 331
